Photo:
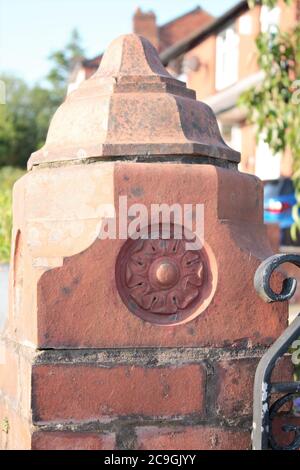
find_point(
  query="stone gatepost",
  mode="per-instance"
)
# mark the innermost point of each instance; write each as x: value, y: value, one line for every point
x: 120, y: 342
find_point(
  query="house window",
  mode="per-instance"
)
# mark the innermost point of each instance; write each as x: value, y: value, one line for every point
x: 227, y: 57
x: 245, y: 25
x: 267, y: 165
x: 269, y: 19
x: 231, y: 133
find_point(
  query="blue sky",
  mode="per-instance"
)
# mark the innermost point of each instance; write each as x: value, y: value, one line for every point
x: 31, y: 29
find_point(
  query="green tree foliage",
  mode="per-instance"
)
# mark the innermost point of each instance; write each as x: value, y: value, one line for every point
x: 8, y: 176
x: 268, y: 3
x: 63, y: 62
x: 24, y: 121
x: 273, y: 105
x: 25, y: 118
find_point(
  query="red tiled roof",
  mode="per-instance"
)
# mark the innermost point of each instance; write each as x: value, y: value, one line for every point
x: 179, y: 28
x: 195, y: 37
x: 169, y: 34
x: 92, y: 63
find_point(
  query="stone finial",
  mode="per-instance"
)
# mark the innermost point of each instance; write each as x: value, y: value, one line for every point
x: 133, y: 108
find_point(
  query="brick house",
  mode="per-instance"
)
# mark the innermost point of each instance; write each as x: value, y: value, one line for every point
x: 220, y: 63
x: 217, y: 58
x: 162, y: 37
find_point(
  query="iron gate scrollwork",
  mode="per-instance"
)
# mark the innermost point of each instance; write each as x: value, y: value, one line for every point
x: 264, y: 412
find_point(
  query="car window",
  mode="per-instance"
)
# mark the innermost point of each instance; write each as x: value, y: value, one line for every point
x: 272, y: 189
x: 287, y: 187
x: 275, y: 188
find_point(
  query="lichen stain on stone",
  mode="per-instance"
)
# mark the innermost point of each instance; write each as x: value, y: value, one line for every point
x: 66, y: 290
x: 5, y: 425
x: 34, y: 237
x: 137, y: 191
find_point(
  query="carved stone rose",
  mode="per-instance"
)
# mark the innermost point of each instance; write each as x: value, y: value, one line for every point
x: 160, y: 276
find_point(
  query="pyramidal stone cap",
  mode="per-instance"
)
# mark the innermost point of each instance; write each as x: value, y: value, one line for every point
x: 132, y: 108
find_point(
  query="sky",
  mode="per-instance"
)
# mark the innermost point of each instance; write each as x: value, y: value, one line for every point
x: 31, y: 29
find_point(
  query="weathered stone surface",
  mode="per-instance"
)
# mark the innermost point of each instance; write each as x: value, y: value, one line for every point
x: 132, y: 107
x: 231, y: 312
x: 161, y: 280
x: 15, y: 430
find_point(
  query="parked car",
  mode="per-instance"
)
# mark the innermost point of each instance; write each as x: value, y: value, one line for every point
x: 279, y: 198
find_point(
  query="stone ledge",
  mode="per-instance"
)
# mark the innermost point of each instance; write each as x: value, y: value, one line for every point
x: 150, y: 357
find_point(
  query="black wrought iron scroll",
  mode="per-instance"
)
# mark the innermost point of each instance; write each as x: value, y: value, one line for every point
x: 263, y: 413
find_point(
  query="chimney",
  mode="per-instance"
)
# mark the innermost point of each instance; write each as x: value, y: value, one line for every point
x: 144, y: 24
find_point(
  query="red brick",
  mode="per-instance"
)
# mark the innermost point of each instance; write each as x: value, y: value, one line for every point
x: 235, y: 384
x: 284, y: 438
x: 284, y: 370
x: 235, y: 387
x: 72, y: 441
x: 85, y: 392
x: 192, y: 438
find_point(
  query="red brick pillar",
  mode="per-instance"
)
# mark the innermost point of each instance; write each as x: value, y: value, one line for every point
x: 133, y: 343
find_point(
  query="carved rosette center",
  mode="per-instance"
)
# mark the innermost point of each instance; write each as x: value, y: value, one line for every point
x: 164, y: 273
x: 160, y: 277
